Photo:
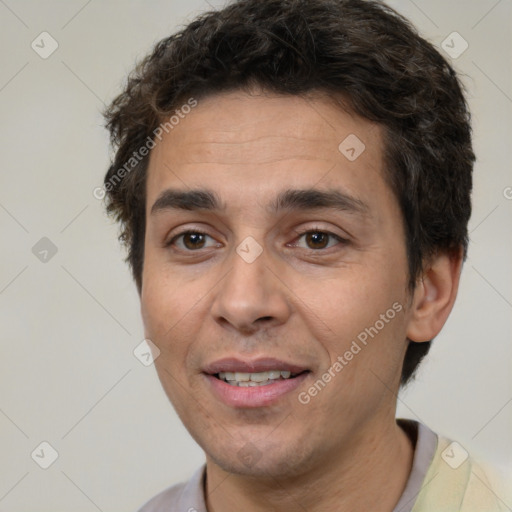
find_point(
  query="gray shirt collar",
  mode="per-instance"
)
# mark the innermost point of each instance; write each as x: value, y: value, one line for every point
x: 424, y: 451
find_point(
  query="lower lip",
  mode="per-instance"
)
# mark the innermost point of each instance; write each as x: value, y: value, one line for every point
x: 254, y: 396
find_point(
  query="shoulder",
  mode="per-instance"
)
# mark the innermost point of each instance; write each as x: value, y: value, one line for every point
x: 455, y: 481
x: 487, y: 486
x: 183, y: 497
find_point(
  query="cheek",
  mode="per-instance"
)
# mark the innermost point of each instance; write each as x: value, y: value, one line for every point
x: 361, y: 305
x: 167, y: 325
x: 174, y: 308
x: 166, y: 300
x: 167, y: 293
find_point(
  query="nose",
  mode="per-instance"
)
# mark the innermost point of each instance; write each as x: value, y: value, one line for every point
x: 251, y: 295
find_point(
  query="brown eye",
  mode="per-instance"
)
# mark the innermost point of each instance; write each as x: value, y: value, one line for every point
x: 190, y: 241
x: 317, y: 239
x: 193, y: 240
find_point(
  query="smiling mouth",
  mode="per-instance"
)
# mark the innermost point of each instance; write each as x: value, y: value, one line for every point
x: 243, y: 379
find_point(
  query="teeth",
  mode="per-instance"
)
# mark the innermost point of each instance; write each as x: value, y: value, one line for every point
x: 244, y: 379
x: 263, y: 376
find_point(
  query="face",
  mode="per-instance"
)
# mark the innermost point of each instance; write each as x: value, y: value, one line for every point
x: 275, y: 258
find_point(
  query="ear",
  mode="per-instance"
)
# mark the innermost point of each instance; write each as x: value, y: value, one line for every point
x: 434, y: 296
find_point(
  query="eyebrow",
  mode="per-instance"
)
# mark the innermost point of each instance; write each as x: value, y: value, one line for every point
x: 290, y: 199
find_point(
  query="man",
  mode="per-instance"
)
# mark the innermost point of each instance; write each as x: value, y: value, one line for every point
x: 293, y: 184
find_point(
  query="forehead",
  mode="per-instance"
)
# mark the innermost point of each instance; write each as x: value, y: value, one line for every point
x: 263, y: 141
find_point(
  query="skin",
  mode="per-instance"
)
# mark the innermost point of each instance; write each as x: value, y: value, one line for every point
x: 300, y: 301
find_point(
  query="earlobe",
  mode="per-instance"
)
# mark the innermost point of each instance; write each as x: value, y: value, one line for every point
x: 434, y: 296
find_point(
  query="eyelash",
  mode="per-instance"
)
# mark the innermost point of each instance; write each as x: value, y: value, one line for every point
x: 299, y: 235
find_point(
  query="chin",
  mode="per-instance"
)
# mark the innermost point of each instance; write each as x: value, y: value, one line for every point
x: 262, y: 461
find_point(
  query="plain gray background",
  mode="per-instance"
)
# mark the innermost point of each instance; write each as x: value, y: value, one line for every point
x: 70, y: 323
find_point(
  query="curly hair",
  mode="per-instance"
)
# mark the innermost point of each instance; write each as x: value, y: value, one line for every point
x: 359, y: 50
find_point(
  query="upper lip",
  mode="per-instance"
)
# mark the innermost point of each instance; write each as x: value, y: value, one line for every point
x: 233, y: 364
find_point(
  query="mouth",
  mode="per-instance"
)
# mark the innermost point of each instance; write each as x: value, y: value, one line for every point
x: 257, y: 383
x: 245, y: 379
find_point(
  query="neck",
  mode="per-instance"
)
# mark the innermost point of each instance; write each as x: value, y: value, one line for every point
x: 371, y: 474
